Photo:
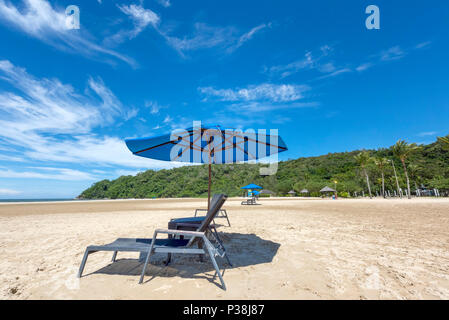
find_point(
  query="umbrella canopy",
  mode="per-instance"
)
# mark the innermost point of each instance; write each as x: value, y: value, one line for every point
x: 266, y: 191
x: 304, y: 191
x: 255, y: 192
x: 251, y: 186
x: 291, y: 192
x: 327, y: 189
x: 209, y: 144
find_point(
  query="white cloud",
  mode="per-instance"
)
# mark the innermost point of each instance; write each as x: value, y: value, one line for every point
x: 164, y: 3
x: 364, y: 66
x: 168, y: 119
x: 140, y: 17
x: 154, y: 106
x: 48, y: 173
x: 50, y: 121
x: 336, y: 73
x: 9, y: 192
x: 266, y: 91
x: 310, y: 61
x: 49, y: 105
x: 423, y: 45
x: 126, y: 172
x: 427, y: 133
x: 252, y: 107
x: 205, y: 36
x: 247, y: 36
x: 393, y: 53
x: 39, y: 20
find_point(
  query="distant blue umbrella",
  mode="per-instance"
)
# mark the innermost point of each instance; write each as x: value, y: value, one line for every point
x: 210, y: 144
x: 251, y: 186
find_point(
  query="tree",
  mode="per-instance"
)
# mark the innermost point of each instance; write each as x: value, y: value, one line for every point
x: 413, y: 171
x: 402, y: 150
x: 363, y: 159
x: 444, y: 141
x: 381, y: 164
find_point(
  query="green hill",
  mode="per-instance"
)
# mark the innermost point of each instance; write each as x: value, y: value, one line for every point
x: 429, y: 165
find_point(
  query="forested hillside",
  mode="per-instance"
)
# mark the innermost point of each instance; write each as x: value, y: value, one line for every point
x: 427, y: 165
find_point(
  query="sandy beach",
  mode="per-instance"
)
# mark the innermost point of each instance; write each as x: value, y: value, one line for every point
x: 282, y: 249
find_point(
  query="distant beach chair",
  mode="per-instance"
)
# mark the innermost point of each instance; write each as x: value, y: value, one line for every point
x: 170, y: 245
x: 249, y: 201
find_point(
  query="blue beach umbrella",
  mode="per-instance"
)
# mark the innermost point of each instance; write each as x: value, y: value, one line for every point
x: 209, y: 144
x: 251, y: 186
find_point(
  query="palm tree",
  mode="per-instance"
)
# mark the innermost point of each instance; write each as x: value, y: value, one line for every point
x: 396, y: 178
x: 402, y: 150
x: 413, y: 171
x: 381, y: 163
x: 444, y: 141
x: 363, y: 159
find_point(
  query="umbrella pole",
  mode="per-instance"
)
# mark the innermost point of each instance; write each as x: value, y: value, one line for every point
x: 208, y: 191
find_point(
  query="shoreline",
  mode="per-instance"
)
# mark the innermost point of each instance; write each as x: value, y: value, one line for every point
x: 44, y: 201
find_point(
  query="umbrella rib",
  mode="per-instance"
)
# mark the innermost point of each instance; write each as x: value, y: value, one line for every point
x: 248, y: 154
x: 153, y: 147
x: 265, y: 143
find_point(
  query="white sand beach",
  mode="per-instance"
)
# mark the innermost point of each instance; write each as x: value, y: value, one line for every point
x: 282, y: 249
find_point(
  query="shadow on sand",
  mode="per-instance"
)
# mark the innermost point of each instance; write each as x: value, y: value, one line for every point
x: 242, y: 249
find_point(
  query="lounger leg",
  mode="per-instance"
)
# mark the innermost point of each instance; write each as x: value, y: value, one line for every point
x: 227, y: 259
x: 226, y: 215
x: 114, y: 256
x: 145, y: 266
x: 168, y: 259
x: 83, y: 263
x: 200, y: 246
x: 147, y: 260
x: 217, y: 237
x: 217, y: 269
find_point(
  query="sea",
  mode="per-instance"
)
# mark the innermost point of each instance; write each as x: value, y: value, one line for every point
x: 37, y: 200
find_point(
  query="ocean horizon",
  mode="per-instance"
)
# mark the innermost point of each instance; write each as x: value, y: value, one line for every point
x: 39, y: 200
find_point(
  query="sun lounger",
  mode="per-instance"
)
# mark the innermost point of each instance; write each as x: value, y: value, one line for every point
x: 192, y: 223
x: 249, y: 201
x: 221, y: 214
x: 169, y: 245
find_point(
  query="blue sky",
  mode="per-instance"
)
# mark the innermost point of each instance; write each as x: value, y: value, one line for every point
x: 68, y: 98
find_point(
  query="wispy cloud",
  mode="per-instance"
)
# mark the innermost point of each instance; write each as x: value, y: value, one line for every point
x: 244, y: 108
x: 50, y: 121
x: 424, y: 44
x: 265, y: 91
x: 393, y: 53
x: 321, y: 62
x: 256, y: 104
x: 247, y: 36
x: 40, y: 20
x: 205, y: 36
x: 141, y: 19
x: 309, y: 61
x: 48, y: 173
x: 389, y: 55
x: 154, y: 106
x: 164, y: 3
x: 427, y: 133
x: 9, y: 192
